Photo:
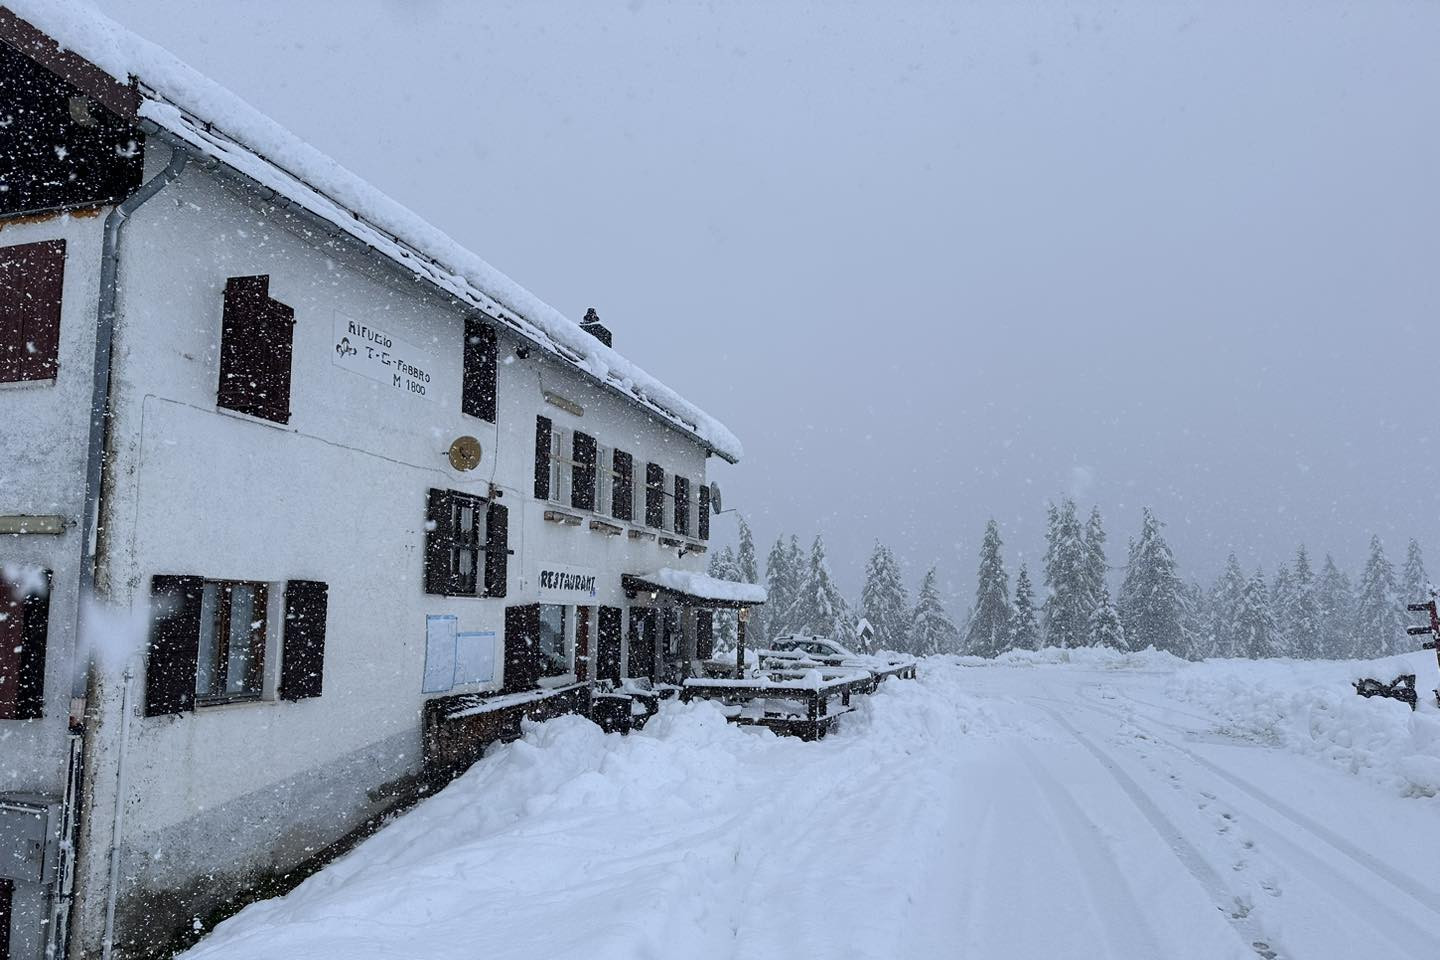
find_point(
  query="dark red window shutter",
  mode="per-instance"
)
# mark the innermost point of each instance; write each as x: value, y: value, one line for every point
x: 302, y: 658
x: 174, y: 644
x: 654, y: 495
x: 256, y: 342
x: 702, y: 512
x: 704, y: 633
x: 477, y: 397
x: 582, y: 482
x: 622, y: 497
x: 439, y: 535
x: 31, y: 279
x: 542, y: 458
x: 682, y: 504
x: 24, y: 630
x: 607, y: 665
x: 7, y: 910
x: 522, y: 647
x: 497, y: 550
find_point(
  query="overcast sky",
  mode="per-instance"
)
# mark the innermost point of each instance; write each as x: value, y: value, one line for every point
x: 937, y: 262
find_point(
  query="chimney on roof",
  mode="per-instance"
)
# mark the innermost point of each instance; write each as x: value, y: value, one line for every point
x: 592, y: 325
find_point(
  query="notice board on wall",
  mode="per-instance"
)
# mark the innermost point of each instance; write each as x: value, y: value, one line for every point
x: 439, y: 653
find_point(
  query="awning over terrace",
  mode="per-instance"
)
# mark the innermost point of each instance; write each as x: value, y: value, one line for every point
x: 694, y: 589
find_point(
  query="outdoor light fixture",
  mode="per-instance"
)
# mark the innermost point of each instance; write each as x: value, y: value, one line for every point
x: 744, y: 614
x: 654, y: 595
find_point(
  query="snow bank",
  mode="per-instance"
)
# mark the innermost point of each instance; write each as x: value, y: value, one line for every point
x: 693, y: 837
x: 1309, y: 707
x: 220, y: 124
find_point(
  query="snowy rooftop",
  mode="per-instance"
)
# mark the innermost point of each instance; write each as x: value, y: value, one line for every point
x: 703, y: 587
x: 216, y: 122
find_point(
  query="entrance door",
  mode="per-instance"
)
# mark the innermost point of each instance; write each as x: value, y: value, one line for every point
x: 607, y: 654
x: 644, y: 625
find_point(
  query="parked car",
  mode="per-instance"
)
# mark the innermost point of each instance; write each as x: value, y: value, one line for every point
x: 812, y: 647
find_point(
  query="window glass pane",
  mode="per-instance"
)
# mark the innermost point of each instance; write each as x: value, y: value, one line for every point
x: 207, y: 672
x: 245, y: 623
x: 553, y: 661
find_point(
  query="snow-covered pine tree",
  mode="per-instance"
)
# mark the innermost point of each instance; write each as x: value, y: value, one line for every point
x: 1335, y: 605
x: 1226, y: 599
x: 885, y: 602
x: 1105, y: 628
x: 1282, y: 596
x: 723, y: 567
x: 1379, y: 624
x: 1067, y: 607
x: 1095, y: 567
x: 931, y: 630
x: 1197, y: 622
x: 819, y: 608
x: 782, y: 583
x: 1024, y: 628
x: 748, y: 571
x: 988, y: 634
x: 1254, y: 625
x: 1414, y: 583
x: 1151, y: 601
x: 1302, y: 615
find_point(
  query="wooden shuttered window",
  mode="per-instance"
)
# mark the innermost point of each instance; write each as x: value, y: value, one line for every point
x: 174, y: 644
x: 31, y: 278
x: 477, y: 397
x: 608, y: 644
x: 302, y: 658
x: 702, y: 512
x: 543, y: 427
x: 583, y: 476
x: 467, y: 545
x: 622, y: 502
x: 256, y: 343
x: 704, y: 633
x: 522, y: 648
x: 682, y: 504
x: 654, y: 495
x: 24, y: 632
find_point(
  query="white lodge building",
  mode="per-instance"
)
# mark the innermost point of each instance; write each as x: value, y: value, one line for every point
x: 334, y: 478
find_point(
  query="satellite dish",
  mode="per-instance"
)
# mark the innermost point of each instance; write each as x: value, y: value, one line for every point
x: 714, y: 497
x: 465, y: 453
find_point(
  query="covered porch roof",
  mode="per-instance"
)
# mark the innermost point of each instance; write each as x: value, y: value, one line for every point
x: 694, y: 589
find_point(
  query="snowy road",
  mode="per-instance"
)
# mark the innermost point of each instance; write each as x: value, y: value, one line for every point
x: 1111, y: 808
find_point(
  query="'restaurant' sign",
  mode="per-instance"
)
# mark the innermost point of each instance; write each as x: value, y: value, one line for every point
x: 566, y: 584
x: 371, y: 352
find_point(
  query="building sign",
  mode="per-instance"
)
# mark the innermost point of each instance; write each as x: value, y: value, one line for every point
x: 371, y: 352
x: 562, y: 584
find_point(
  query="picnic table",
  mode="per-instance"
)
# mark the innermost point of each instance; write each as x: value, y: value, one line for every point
x: 812, y: 689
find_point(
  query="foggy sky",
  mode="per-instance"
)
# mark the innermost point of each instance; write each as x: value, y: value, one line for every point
x: 940, y: 262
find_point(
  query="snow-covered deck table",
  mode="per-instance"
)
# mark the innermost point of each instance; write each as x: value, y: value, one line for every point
x: 772, y: 693
x: 796, y: 660
x: 458, y: 728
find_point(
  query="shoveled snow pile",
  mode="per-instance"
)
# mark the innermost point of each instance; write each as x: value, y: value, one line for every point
x: 1310, y: 708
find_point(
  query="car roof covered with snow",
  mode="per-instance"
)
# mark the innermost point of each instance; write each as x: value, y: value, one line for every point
x: 187, y: 107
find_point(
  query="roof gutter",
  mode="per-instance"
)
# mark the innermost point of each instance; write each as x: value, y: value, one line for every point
x: 104, y: 342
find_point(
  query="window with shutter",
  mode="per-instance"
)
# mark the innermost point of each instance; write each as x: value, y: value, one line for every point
x: 230, y: 655
x: 702, y: 512
x: 302, y: 658
x: 477, y: 396
x: 622, y: 506
x: 460, y: 541
x: 497, y: 550
x: 31, y: 278
x: 256, y: 342
x: 682, y: 505
x: 654, y: 495
x: 582, y: 486
x: 543, y: 428
x: 174, y: 644
x: 24, y: 627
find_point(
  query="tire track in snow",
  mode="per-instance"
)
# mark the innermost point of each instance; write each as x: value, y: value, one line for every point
x: 1360, y: 856
x: 1245, y: 925
x: 1132, y: 937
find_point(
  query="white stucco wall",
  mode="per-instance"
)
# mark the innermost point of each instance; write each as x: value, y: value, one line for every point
x: 338, y: 494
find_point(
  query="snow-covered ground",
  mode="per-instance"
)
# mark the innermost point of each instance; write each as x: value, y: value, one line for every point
x: 1039, y: 806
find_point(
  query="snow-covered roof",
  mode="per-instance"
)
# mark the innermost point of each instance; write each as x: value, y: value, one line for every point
x: 700, y: 586
x: 217, y: 123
